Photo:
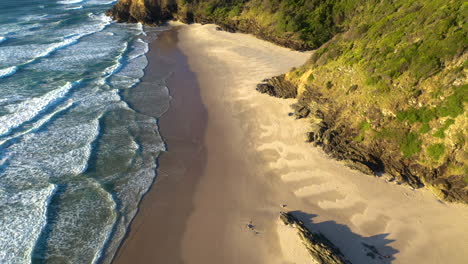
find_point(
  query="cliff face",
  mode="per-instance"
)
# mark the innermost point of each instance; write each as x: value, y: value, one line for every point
x: 144, y: 11
x: 386, y: 89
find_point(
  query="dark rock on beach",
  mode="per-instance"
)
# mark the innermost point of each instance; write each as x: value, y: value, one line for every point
x: 320, y: 248
x: 278, y: 87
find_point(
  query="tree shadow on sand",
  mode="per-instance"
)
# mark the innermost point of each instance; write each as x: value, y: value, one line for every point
x: 356, y: 248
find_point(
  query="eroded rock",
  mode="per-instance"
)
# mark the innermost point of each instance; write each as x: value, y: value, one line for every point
x: 320, y: 248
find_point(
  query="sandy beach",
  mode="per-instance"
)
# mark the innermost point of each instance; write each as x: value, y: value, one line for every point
x: 235, y: 157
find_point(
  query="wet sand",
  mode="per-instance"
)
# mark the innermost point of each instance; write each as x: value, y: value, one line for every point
x: 234, y: 156
x: 156, y: 231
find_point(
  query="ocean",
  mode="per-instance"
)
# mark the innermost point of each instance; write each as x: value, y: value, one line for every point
x: 76, y: 156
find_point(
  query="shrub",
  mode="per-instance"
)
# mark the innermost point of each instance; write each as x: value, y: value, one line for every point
x: 410, y: 144
x: 453, y: 105
x: 413, y: 115
x: 424, y: 128
x: 435, y: 151
x: 389, y: 133
x: 364, y: 125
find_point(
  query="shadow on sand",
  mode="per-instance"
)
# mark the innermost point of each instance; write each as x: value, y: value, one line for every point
x: 356, y: 248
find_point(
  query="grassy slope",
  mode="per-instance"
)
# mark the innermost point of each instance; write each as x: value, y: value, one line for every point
x: 399, y: 73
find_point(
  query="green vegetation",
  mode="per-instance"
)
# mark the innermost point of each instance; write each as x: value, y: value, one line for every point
x: 363, y: 127
x: 311, y: 22
x: 410, y: 144
x: 425, y: 128
x: 441, y: 132
x: 414, y: 115
x: 453, y: 105
x: 435, y: 151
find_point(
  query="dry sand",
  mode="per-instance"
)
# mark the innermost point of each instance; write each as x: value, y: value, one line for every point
x: 246, y: 157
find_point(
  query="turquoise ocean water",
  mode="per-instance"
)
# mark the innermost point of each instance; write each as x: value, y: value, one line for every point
x: 75, y: 157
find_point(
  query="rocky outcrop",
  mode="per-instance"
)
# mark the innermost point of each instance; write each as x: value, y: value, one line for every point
x: 278, y: 87
x: 333, y: 134
x: 320, y: 248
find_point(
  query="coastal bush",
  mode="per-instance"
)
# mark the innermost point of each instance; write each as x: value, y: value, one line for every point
x: 410, y: 144
x: 453, y: 105
x: 389, y: 133
x: 363, y: 127
x: 435, y: 151
x: 413, y: 115
x: 425, y: 128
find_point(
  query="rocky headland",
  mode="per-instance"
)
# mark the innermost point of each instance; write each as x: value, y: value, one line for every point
x: 385, y: 91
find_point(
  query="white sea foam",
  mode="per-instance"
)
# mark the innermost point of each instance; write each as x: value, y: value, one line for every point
x: 39, y: 123
x: 114, y: 68
x: 101, y: 2
x: 56, y: 46
x: 33, y: 17
x: 8, y: 71
x: 28, y: 109
x: 139, y: 48
x: 68, y: 2
x: 12, y: 28
x: 2, y: 38
x: 74, y: 7
x: 22, y: 219
x: 71, y: 155
x: 73, y: 237
x: 26, y: 54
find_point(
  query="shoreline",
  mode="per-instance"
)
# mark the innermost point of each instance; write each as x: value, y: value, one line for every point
x: 169, y: 199
x: 248, y: 140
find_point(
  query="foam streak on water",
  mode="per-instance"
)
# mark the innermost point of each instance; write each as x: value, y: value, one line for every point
x: 75, y: 159
x: 30, y: 108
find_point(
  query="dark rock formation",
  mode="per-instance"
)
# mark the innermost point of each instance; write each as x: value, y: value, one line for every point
x: 278, y: 87
x: 319, y: 247
x: 300, y: 110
